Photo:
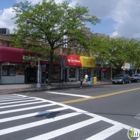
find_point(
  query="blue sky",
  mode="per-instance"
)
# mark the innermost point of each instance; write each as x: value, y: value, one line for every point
x: 6, y: 4
x: 118, y: 17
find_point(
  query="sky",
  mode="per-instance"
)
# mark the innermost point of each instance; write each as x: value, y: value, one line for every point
x: 118, y: 17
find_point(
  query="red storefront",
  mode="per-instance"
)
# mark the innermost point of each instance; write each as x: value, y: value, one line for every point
x: 15, y: 68
x: 71, y: 67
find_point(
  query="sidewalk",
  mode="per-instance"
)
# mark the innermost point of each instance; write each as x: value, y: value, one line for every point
x: 16, y: 88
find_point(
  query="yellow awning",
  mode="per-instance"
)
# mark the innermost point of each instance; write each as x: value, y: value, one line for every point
x: 87, y: 62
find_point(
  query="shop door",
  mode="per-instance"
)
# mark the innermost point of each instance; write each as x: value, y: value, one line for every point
x: 64, y: 75
x: 31, y: 75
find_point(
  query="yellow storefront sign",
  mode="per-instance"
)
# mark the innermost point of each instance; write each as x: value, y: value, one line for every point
x: 87, y: 62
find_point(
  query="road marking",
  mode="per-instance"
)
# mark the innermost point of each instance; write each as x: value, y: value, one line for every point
x: 9, y: 106
x: 65, y: 130
x: 137, y: 116
x: 69, y: 94
x: 99, y: 96
x: 16, y: 99
x: 31, y: 114
x: 10, y: 97
x: 17, y: 102
x: 95, y: 118
x: 23, y: 109
x: 37, y: 123
x: 106, y: 133
x: 92, y: 115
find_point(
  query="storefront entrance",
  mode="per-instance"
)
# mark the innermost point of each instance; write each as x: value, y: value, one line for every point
x: 31, y: 75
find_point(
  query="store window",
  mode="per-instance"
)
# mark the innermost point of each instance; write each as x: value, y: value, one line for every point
x: 84, y: 71
x: 20, y: 69
x: 72, y: 73
x: 12, y: 70
x: 5, y: 70
x: 56, y: 72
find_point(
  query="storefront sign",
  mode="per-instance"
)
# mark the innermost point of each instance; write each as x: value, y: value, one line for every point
x: 126, y: 66
x: 87, y: 62
x: 73, y: 60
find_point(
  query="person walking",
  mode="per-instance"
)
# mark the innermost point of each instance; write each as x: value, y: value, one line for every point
x: 86, y: 77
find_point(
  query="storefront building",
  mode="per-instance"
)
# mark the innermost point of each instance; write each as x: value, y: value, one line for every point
x: 11, y: 65
x: 16, y: 69
x: 88, y: 65
x: 70, y: 68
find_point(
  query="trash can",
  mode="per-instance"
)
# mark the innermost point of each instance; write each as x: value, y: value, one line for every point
x: 91, y: 80
x: 95, y: 80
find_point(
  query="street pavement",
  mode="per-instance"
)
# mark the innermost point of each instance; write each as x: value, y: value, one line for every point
x: 14, y: 88
x: 32, y: 118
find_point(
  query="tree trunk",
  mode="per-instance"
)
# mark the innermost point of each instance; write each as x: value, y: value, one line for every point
x: 50, y: 67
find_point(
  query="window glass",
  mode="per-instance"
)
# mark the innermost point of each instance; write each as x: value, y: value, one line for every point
x: 12, y: 70
x: 5, y: 71
x: 56, y: 72
x: 72, y: 73
x: 20, y: 69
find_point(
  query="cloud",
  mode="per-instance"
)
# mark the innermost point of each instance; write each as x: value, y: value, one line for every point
x: 5, y: 19
x: 7, y: 14
x: 125, y: 13
x: 36, y: 1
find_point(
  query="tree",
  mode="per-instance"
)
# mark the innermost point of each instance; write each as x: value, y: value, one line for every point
x: 49, y: 23
x: 116, y: 50
x: 99, y: 46
x: 123, y: 50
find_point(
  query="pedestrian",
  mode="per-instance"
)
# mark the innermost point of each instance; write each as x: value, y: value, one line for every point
x: 86, y: 78
x: 46, y: 78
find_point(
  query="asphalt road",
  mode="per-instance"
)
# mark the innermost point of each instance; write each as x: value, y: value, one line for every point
x: 92, y: 113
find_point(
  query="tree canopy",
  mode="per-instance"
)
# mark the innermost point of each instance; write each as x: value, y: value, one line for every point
x: 50, y: 23
x: 116, y: 50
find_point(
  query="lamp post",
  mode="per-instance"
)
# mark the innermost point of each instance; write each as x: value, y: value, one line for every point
x: 38, y: 74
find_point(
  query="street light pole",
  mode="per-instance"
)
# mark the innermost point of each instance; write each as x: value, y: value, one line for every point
x: 38, y: 74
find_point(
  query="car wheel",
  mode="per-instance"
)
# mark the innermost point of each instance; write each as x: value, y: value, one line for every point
x: 123, y: 82
x: 130, y: 82
x: 113, y: 83
x: 138, y: 81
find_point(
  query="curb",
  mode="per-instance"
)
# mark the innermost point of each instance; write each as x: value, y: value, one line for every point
x: 21, y: 90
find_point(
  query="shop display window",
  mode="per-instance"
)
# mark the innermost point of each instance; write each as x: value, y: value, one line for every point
x: 12, y: 70
x: 20, y: 69
x: 72, y: 73
x: 56, y: 72
x: 5, y: 70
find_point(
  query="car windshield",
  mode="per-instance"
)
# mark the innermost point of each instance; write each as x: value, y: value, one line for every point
x: 119, y: 76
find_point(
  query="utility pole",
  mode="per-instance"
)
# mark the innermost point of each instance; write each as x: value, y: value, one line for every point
x: 38, y: 74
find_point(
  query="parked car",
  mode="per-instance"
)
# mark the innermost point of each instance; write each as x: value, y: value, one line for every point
x: 135, y: 78
x: 122, y: 79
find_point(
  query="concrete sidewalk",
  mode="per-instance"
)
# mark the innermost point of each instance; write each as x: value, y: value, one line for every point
x: 18, y: 88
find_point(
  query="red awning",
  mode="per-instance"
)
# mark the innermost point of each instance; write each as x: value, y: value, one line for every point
x: 16, y: 55
x: 11, y: 54
x: 73, y: 60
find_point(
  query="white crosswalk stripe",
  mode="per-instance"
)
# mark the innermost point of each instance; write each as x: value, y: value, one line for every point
x: 65, y: 130
x: 23, y: 109
x: 33, y: 113
x: 106, y: 133
x: 9, y: 106
x: 24, y: 101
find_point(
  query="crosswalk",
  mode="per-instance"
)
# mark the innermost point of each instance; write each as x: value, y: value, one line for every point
x: 32, y: 118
